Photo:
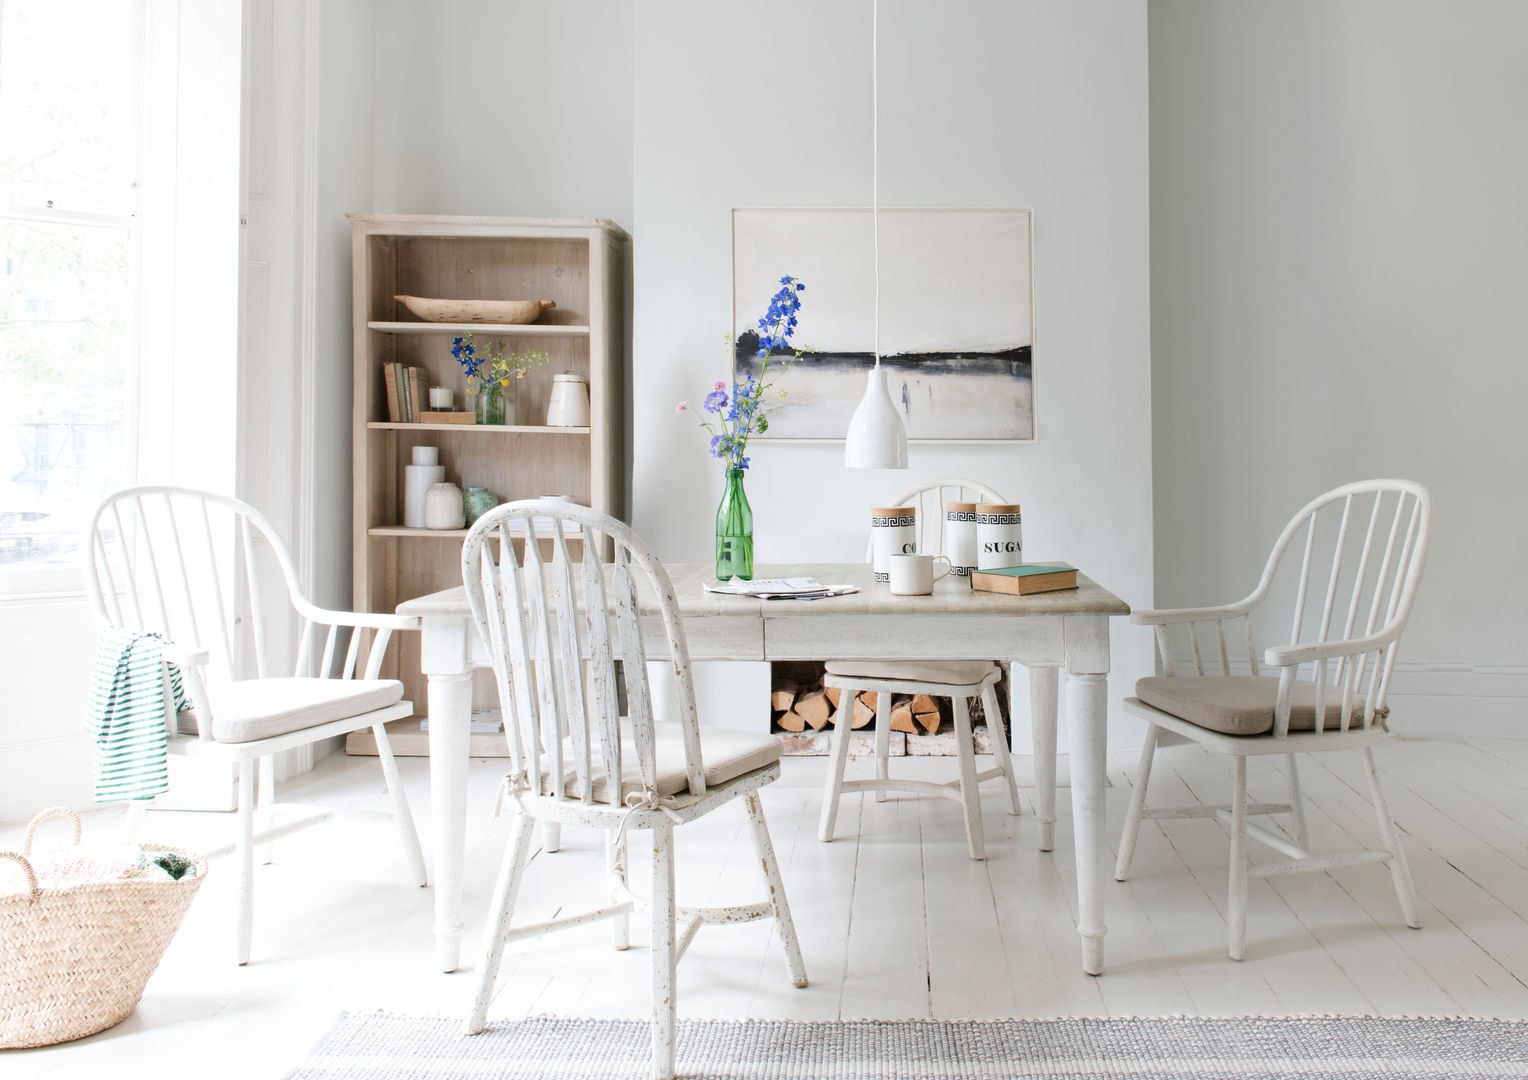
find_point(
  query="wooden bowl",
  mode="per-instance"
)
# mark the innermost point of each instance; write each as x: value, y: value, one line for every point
x: 431, y: 309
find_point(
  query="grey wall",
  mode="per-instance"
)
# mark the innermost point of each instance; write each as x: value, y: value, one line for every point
x: 1338, y: 280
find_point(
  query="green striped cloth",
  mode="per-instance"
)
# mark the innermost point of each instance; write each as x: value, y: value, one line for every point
x: 126, y: 717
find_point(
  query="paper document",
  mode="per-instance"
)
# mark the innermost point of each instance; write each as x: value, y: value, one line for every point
x: 796, y: 588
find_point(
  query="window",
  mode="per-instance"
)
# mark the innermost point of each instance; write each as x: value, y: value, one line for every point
x: 69, y: 240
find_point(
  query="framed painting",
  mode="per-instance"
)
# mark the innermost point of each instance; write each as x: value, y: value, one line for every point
x: 956, y: 318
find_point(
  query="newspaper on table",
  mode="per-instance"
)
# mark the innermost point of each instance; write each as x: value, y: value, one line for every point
x: 797, y: 588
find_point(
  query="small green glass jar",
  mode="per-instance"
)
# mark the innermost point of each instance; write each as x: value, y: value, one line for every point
x: 488, y: 403
x: 476, y: 502
x: 734, y: 531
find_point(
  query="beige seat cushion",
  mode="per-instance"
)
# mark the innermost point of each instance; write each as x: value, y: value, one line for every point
x: 947, y: 672
x: 251, y: 709
x: 727, y: 754
x: 1241, y: 704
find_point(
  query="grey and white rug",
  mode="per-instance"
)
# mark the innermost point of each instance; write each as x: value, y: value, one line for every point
x: 382, y: 1046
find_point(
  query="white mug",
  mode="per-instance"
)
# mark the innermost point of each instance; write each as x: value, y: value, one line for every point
x: 913, y: 575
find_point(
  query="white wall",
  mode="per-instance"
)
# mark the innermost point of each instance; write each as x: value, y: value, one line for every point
x: 1338, y: 274
x: 509, y: 108
x: 993, y: 104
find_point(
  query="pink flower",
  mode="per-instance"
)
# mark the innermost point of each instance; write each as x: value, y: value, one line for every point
x: 682, y: 406
x: 719, y: 385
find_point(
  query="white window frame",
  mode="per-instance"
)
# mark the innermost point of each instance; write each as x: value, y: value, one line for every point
x: 26, y: 582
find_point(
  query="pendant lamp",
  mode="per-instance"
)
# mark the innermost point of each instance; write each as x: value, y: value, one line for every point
x: 877, y: 438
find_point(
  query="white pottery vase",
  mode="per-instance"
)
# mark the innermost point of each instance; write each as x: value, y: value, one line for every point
x: 417, y: 478
x: 443, y: 507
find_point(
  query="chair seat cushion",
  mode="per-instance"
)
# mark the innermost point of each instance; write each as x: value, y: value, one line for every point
x: 946, y: 672
x: 727, y: 753
x: 250, y: 709
x: 1241, y: 704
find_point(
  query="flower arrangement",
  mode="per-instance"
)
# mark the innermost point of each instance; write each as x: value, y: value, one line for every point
x: 491, y: 365
x: 742, y: 412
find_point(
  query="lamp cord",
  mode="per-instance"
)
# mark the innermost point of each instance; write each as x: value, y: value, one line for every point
x: 875, y: 161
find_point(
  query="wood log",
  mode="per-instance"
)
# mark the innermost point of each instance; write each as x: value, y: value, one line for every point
x: 832, y: 692
x: 864, y: 709
x: 782, y: 697
x: 926, y: 713
x: 812, y: 708
x: 789, y: 721
x: 902, y: 718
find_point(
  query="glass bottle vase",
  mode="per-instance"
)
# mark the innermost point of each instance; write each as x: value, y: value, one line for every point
x: 489, y: 403
x: 734, y: 531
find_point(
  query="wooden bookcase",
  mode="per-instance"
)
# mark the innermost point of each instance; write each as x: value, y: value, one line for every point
x: 580, y: 264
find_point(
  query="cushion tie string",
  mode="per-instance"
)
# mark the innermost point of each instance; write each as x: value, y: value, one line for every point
x: 512, y: 785
x: 646, y: 800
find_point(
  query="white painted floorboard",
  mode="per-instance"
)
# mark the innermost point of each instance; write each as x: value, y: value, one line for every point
x: 894, y: 920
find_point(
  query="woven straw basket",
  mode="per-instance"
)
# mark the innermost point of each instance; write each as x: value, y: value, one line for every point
x: 75, y: 960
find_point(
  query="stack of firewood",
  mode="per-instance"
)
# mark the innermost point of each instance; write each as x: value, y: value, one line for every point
x: 798, y: 706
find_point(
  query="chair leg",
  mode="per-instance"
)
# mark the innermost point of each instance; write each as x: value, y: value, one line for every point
x: 833, y: 782
x: 882, y: 740
x: 244, y: 855
x: 969, y: 793
x: 264, y: 812
x: 412, y: 852
x: 772, y: 880
x: 1400, y: 870
x: 665, y: 1005
x: 999, y: 736
x: 1236, y: 904
x: 1296, y: 804
x: 551, y: 836
x: 1043, y: 684
x: 132, y: 821
x: 1137, y: 804
x: 615, y: 870
x: 499, y: 917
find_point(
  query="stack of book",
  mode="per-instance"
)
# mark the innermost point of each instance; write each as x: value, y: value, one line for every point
x: 1025, y: 579
x: 407, y: 392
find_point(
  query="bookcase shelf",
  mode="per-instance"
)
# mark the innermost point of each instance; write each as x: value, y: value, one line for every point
x: 582, y: 265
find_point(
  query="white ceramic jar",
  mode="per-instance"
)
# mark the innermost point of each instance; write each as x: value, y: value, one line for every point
x: 999, y: 536
x: 443, y: 507
x: 960, y: 537
x: 893, y: 531
x: 569, y: 406
x: 425, y: 469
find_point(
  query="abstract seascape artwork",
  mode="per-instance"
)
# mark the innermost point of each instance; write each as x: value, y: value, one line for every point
x: 956, y: 317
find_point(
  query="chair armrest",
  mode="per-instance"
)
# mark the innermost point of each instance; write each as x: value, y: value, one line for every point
x: 1170, y: 616
x: 184, y: 657
x: 373, y: 619
x: 1283, y: 656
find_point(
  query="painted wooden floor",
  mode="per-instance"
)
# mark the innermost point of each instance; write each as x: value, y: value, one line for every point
x: 895, y: 921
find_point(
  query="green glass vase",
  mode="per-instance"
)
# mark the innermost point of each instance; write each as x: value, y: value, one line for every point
x: 734, y: 531
x: 490, y: 403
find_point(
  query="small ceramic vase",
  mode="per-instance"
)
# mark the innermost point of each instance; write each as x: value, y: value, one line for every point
x: 477, y: 501
x: 569, y: 406
x: 443, y: 507
x: 424, y: 470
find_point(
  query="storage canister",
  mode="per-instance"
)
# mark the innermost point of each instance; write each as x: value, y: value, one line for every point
x: 960, y: 537
x: 893, y: 531
x: 999, y: 539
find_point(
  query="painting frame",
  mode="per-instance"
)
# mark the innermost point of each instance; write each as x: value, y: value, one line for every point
x: 770, y: 239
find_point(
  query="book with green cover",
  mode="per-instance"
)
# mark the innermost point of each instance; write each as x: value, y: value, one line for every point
x: 1024, y: 579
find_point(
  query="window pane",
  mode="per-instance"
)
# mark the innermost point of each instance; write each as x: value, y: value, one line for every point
x: 66, y: 100
x: 65, y: 356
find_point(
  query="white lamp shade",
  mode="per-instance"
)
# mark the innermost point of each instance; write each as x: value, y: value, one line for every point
x: 877, y: 438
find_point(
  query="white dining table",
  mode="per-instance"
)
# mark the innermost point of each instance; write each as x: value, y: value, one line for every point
x: 1049, y: 633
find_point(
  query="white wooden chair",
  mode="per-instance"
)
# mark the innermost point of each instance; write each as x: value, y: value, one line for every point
x: 566, y: 639
x: 1351, y: 600
x: 958, y: 680
x: 199, y: 570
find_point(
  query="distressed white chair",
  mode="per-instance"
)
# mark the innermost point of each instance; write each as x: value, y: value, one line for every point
x: 566, y: 639
x: 1351, y: 599
x: 958, y: 680
x: 199, y: 569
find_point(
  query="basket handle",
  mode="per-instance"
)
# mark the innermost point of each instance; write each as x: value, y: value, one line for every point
x: 44, y: 815
x: 34, y: 890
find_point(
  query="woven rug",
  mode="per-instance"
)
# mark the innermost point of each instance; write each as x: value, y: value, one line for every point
x: 389, y: 1047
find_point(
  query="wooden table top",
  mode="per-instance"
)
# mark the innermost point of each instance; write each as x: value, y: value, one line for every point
x: 951, y: 596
